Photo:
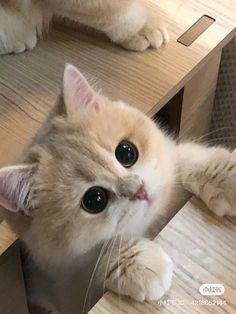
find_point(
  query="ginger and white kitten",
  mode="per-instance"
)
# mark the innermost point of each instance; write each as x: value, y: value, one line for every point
x: 126, y: 22
x: 84, y: 198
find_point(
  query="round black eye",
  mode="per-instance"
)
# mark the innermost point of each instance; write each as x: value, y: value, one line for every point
x: 95, y: 200
x: 126, y: 153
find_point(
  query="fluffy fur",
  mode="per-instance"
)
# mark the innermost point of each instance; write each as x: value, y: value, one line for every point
x: 73, y: 253
x: 125, y: 22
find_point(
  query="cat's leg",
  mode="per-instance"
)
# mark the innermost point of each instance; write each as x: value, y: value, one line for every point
x: 141, y: 270
x: 21, y: 23
x: 125, y: 22
x: 210, y: 174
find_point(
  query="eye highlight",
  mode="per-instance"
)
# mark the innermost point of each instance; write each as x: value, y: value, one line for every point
x: 95, y: 200
x: 126, y: 153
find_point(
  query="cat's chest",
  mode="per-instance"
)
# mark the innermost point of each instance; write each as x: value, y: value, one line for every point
x: 67, y: 289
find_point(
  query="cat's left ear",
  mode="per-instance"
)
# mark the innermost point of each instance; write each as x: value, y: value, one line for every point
x: 77, y: 92
x: 16, y: 187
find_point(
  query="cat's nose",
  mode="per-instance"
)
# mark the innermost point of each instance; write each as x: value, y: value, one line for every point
x: 141, y: 194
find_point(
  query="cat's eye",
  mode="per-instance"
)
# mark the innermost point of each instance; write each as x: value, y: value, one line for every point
x: 126, y: 153
x: 95, y: 200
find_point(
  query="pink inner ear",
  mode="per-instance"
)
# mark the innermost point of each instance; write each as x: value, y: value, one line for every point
x: 78, y: 94
x: 6, y: 200
x: 14, y: 188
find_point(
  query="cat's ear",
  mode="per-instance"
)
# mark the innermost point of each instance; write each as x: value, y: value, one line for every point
x: 77, y: 92
x: 15, y: 187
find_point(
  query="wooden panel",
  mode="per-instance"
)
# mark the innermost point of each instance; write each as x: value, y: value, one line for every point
x: 198, y: 99
x: 7, y: 237
x: 203, y: 249
x: 169, y: 117
x: 12, y: 290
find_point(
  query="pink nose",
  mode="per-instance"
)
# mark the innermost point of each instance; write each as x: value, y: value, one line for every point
x: 141, y: 194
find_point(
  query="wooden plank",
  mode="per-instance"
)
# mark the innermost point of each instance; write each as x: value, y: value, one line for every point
x: 198, y: 99
x: 7, y: 237
x: 202, y: 247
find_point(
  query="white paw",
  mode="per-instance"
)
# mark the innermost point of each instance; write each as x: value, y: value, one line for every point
x: 151, y: 35
x: 17, y: 42
x: 220, y: 192
x: 18, y: 30
x: 146, y: 275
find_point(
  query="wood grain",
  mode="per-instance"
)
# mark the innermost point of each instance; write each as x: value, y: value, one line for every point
x: 202, y: 247
x: 7, y: 237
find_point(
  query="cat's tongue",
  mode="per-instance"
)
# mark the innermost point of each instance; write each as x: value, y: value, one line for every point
x: 141, y: 194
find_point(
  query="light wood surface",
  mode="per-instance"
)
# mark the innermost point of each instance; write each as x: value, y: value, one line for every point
x: 203, y: 249
x: 7, y: 237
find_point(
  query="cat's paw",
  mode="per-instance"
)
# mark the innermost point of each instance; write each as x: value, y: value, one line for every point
x: 18, y: 31
x: 219, y: 192
x: 152, y: 35
x: 144, y: 275
x: 9, y: 43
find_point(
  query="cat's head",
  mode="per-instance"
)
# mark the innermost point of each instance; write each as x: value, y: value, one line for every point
x: 104, y: 169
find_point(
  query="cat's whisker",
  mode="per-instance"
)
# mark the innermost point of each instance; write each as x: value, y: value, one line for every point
x: 221, y: 138
x: 102, y: 251
x: 198, y: 139
x: 118, y: 265
x: 108, y: 261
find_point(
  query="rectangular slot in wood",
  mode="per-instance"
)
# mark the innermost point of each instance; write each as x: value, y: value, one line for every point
x: 196, y: 30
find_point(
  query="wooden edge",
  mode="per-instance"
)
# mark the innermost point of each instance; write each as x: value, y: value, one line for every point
x: 7, y: 237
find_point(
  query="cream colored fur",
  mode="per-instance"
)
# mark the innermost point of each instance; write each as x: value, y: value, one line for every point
x: 125, y: 22
x: 75, y: 255
x: 210, y: 173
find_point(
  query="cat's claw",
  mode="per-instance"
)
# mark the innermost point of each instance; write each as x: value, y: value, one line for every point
x: 144, y: 277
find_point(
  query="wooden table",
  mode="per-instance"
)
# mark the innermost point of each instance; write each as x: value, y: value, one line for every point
x: 176, y: 81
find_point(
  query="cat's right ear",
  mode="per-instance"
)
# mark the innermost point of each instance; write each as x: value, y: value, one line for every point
x: 77, y: 92
x: 15, y: 188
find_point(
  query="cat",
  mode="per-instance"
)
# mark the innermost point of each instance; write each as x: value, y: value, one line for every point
x: 126, y: 22
x: 90, y: 188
